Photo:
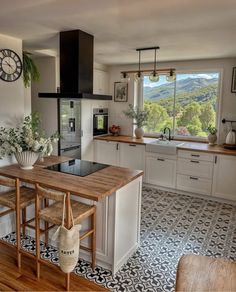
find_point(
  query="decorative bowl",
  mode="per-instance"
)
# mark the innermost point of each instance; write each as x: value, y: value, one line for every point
x: 114, y: 130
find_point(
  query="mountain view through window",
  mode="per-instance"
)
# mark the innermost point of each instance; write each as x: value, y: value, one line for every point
x: 187, y: 109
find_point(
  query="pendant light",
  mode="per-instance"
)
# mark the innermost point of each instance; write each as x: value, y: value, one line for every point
x: 154, y: 76
x: 138, y: 77
x: 124, y: 77
x: 171, y: 76
x: 152, y: 73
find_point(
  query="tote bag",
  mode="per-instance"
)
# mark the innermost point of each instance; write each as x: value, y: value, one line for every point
x: 68, y: 244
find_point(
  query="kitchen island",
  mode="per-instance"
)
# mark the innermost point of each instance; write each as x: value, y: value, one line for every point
x: 117, y: 193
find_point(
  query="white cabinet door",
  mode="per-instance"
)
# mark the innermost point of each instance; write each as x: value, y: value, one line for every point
x: 224, y: 178
x: 100, y: 82
x: 161, y: 171
x: 106, y: 152
x: 132, y: 156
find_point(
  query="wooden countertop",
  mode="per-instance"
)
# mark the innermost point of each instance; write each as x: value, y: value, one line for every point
x: 190, y: 146
x: 95, y: 186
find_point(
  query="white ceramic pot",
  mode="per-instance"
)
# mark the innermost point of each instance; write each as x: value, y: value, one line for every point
x: 139, y: 133
x: 212, y: 139
x: 26, y: 159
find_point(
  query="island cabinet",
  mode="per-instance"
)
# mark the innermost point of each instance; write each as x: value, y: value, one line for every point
x: 117, y: 227
x: 224, y: 178
x: 161, y: 170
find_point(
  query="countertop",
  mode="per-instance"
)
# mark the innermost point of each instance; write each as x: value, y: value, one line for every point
x: 190, y: 146
x: 95, y: 186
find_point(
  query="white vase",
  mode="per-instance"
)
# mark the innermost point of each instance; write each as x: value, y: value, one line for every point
x: 26, y: 159
x: 212, y: 139
x: 139, y: 133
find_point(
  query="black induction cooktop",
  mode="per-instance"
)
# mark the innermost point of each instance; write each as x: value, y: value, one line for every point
x: 77, y: 167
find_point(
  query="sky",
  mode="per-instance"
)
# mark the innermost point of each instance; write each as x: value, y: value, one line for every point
x: 162, y: 79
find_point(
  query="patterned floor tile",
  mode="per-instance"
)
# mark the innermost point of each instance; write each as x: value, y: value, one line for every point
x: 171, y: 225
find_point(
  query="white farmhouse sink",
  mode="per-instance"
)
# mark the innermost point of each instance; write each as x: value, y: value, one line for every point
x: 163, y: 146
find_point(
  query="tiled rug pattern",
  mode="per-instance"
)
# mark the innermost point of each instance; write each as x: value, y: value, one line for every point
x: 171, y: 225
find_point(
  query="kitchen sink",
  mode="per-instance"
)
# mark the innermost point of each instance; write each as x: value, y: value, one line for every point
x: 163, y: 146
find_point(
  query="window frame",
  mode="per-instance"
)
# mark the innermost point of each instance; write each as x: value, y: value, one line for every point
x: 218, y: 104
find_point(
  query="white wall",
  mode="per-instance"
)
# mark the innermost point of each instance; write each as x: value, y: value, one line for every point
x: 228, y: 102
x: 47, y: 107
x: 12, y: 111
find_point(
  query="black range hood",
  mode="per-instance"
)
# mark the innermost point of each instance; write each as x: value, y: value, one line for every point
x: 76, y: 67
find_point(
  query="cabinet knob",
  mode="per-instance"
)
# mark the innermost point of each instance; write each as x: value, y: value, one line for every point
x: 193, y: 178
x: 194, y: 161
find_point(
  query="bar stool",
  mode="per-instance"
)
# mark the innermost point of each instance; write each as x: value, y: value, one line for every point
x: 53, y: 215
x: 15, y: 199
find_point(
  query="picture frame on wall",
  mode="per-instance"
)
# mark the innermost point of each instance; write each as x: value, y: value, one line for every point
x: 233, y: 85
x: 120, y: 91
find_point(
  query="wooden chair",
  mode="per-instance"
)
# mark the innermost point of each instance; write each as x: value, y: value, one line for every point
x: 202, y: 273
x: 15, y: 199
x: 53, y: 214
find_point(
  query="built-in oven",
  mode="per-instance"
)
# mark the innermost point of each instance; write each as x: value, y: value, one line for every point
x: 100, y: 121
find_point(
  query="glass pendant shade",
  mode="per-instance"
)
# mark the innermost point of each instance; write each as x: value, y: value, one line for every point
x: 124, y: 77
x: 138, y: 77
x: 171, y: 77
x: 154, y: 77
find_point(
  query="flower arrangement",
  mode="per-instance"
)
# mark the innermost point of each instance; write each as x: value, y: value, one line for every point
x: 26, y: 137
x: 140, y: 116
x: 212, y: 130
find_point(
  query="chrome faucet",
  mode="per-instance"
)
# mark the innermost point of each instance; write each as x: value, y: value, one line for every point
x: 169, y: 130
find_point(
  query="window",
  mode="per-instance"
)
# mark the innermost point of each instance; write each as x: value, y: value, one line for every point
x: 187, y: 106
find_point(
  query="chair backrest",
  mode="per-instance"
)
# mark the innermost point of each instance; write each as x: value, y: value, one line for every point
x: 7, y: 182
x: 49, y: 193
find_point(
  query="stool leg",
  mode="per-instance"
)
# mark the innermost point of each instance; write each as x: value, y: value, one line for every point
x: 46, y: 225
x: 37, y: 237
x: 68, y: 282
x: 93, y: 241
x: 23, y: 220
x: 18, y: 227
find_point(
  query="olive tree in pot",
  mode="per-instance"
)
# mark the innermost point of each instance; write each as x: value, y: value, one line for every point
x: 139, y: 116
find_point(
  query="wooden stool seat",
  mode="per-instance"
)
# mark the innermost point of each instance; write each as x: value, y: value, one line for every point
x: 53, y: 213
x: 8, y: 198
x: 202, y: 273
x: 58, y: 211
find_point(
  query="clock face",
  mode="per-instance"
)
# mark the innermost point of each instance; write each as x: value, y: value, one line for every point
x: 10, y: 65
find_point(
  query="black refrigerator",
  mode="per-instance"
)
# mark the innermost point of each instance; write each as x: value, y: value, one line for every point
x: 69, y: 123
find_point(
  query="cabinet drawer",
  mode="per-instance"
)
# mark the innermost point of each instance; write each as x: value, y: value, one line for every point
x: 196, y: 155
x: 195, y: 167
x: 194, y: 184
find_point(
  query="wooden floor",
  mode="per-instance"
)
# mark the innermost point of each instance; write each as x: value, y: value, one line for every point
x: 12, y: 279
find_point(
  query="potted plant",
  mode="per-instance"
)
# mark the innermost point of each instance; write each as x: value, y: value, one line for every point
x: 140, y: 117
x: 30, y: 70
x: 212, y: 135
x: 27, y: 141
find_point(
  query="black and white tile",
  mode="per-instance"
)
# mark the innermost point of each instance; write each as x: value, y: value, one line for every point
x: 171, y: 225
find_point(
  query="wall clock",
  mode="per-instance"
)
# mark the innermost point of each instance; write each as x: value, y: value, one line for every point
x: 10, y: 65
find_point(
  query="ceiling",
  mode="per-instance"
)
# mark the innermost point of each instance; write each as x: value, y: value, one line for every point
x: 184, y: 29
